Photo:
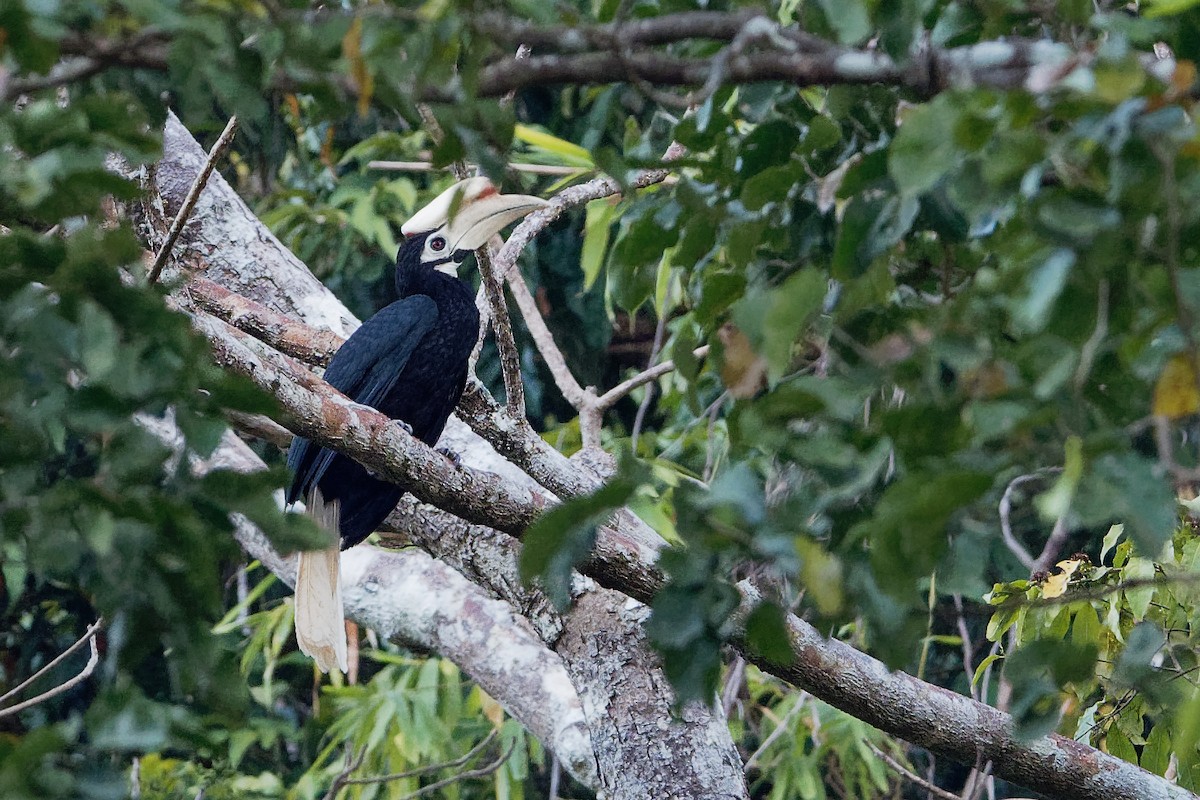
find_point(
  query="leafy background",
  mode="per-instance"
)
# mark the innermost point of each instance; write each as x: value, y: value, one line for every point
x: 911, y: 302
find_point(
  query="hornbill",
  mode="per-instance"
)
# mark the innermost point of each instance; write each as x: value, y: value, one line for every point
x: 409, y: 361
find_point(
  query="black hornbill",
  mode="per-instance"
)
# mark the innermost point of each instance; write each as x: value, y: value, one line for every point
x: 410, y: 362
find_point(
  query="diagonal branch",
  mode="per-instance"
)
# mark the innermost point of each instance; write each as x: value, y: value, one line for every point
x: 926, y: 715
x: 189, y: 202
x: 89, y: 638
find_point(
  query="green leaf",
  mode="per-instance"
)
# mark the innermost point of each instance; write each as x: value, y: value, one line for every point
x: 599, y: 219
x: 908, y: 528
x: 563, y: 536
x: 1156, y: 754
x: 1139, y: 599
x: 1043, y: 287
x: 925, y: 150
x: 1110, y: 539
x: 848, y: 18
x: 1038, y: 670
x: 1132, y: 489
x: 992, y: 658
x: 566, y: 152
x: 767, y: 634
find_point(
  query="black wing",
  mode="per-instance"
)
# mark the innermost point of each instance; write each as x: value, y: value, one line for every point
x: 364, y: 369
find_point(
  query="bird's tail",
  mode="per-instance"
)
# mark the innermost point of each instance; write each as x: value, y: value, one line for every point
x: 320, y: 622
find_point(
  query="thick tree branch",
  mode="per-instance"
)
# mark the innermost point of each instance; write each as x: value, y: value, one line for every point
x: 310, y: 345
x: 293, y: 295
x: 411, y: 598
x: 926, y: 715
x: 624, y: 51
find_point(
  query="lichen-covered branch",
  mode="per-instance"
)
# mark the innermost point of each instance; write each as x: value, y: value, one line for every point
x: 411, y: 598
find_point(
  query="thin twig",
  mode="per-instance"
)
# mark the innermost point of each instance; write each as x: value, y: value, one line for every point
x: 1087, y: 353
x: 584, y: 400
x: 506, y: 343
x: 780, y: 730
x: 639, y: 419
x: 426, y: 770
x: 1005, y: 508
x: 352, y: 762
x: 968, y: 649
x: 542, y: 337
x: 189, y: 202
x: 908, y: 774
x: 479, y: 772
x: 977, y: 781
x: 555, y: 776
x: 1058, y: 537
x: 89, y: 637
x: 610, y: 398
x: 734, y: 680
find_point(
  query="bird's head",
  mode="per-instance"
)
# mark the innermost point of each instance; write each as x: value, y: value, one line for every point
x: 458, y: 221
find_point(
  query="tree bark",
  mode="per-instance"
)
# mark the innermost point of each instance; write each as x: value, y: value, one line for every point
x: 406, y: 594
x: 684, y: 757
x: 930, y: 716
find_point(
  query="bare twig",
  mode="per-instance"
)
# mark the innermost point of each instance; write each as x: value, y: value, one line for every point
x: 978, y: 780
x: 352, y: 762
x: 1006, y: 531
x: 1058, y: 537
x: 968, y: 649
x: 1087, y: 353
x: 478, y: 772
x: 639, y: 419
x: 908, y: 774
x: 426, y: 770
x: 610, y: 398
x: 734, y: 680
x: 89, y: 637
x: 189, y: 202
x: 506, y: 344
x: 779, y: 730
x: 584, y: 400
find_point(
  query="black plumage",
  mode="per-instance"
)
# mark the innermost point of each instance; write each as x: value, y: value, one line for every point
x: 410, y: 362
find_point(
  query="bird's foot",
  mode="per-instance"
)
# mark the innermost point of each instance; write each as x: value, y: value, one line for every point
x: 451, y: 456
x: 407, y: 428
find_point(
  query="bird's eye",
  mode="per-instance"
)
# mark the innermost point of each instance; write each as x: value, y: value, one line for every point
x: 437, y: 244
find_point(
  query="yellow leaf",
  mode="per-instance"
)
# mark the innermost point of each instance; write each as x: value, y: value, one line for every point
x: 1176, y: 394
x: 491, y: 709
x: 743, y: 371
x: 1060, y: 576
x: 571, y: 154
x: 363, y: 79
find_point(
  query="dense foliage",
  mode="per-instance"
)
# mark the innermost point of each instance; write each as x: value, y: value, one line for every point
x: 922, y: 306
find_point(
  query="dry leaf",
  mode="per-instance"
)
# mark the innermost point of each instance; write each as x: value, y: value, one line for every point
x: 1176, y: 394
x: 1056, y: 584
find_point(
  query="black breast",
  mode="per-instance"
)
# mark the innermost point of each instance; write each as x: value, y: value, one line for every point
x: 424, y: 396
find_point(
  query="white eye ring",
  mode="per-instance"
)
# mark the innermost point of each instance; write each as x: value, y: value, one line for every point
x: 437, y: 244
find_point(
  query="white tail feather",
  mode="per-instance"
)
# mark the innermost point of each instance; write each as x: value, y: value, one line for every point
x: 320, y: 621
